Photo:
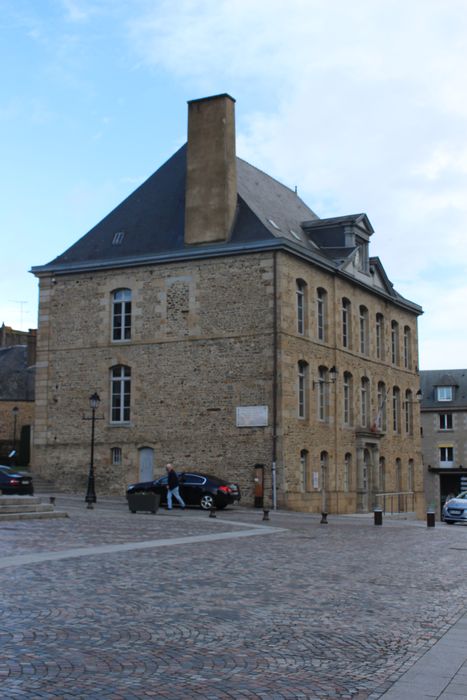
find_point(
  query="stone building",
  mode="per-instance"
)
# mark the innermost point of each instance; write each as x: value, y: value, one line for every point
x: 444, y: 433
x: 226, y: 327
x: 17, y: 360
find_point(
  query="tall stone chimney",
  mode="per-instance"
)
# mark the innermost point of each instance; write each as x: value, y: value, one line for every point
x: 211, y: 178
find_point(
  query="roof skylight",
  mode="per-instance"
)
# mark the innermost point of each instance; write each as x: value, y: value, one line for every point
x: 273, y: 223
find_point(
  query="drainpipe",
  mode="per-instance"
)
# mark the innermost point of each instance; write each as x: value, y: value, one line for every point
x: 274, y: 386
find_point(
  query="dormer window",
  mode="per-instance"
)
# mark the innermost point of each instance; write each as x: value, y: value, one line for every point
x: 444, y: 393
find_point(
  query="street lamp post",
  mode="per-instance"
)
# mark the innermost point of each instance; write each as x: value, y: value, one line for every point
x: 90, y: 499
x: 15, y: 412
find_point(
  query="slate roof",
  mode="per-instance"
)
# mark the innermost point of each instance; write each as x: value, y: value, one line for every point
x: 430, y: 379
x: 16, y: 378
x: 148, y: 226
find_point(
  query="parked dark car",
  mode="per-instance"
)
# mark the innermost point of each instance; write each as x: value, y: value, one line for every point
x: 13, y: 482
x: 455, y: 509
x: 196, y: 489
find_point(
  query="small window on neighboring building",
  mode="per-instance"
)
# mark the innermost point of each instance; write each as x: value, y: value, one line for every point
x: 118, y: 238
x: 396, y: 409
x: 116, y: 455
x: 364, y: 401
x: 407, y: 347
x: 446, y: 456
x: 346, y: 324
x: 347, y: 399
x: 445, y: 421
x: 394, y: 343
x: 444, y: 393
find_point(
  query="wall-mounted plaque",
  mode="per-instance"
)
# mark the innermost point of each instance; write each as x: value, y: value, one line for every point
x: 252, y: 416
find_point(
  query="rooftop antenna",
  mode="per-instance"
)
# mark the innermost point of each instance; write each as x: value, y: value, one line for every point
x: 21, y: 313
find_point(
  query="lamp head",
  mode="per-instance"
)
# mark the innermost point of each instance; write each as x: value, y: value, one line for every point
x: 94, y: 400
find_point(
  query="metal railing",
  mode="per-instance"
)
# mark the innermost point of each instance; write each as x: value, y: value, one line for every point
x: 395, y: 501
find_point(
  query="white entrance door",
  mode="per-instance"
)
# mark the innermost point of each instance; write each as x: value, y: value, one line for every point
x: 146, y: 464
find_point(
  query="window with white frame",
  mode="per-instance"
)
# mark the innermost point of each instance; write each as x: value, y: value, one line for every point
x: 394, y: 343
x: 408, y: 405
x: 301, y: 306
x: 305, y: 470
x: 321, y: 300
x: 407, y: 347
x: 347, y: 480
x: 363, y: 317
x: 379, y: 330
x: 116, y: 455
x: 346, y: 323
x: 364, y: 401
x: 120, y: 379
x: 323, y: 394
x: 396, y: 409
x: 444, y: 393
x: 347, y: 399
x: 446, y: 456
x: 302, y: 389
x: 445, y: 421
x: 381, y: 420
x: 121, y: 314
x: 324, y: 462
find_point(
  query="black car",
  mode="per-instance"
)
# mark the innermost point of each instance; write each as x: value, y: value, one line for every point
x: 196, y: 489
x: 12, y: 482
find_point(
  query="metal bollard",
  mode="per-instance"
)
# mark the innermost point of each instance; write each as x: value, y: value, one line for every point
x: 52, y: 500
x: 212, y: 512
x: 430, y: 519
x: 378, y: 515
x: 265, y: 515
x: 324, y: 519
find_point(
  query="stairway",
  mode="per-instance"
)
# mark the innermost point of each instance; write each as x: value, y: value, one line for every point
x: 27, y: 508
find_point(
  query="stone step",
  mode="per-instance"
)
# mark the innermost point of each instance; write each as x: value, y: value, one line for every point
x: 27, y: 508
x: 33, y: 516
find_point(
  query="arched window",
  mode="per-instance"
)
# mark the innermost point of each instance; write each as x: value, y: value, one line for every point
x: 324, y: 461
x: 305, y: 470
x: 408, y: 406
x: 379, y: 329
x: 346, y: 323
x: 364, y: 401
x: 120, y: 389
x: 321, y: 313
x: 407, y: 347
x: 396, y: 409
x: 347, y: 481
x: 347, y: 399
x: 323, y: 394
x: 302, y: 389
x: 394, y: 343
x: 381, y: 422
x: 121, y: 314
x: 301, y: 306
x: 364, y: 340
x: 410, y: 475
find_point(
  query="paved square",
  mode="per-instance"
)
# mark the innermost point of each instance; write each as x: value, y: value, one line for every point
x: 118, y: 606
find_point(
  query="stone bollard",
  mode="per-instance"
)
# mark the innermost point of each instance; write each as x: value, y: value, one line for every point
x: 265, y: 515
x: 212, y: 512
x: 324, y: 519
x: 378, y: 515
x: 430, y: 518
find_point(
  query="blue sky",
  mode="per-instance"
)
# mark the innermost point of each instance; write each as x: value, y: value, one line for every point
x: 360, y: 105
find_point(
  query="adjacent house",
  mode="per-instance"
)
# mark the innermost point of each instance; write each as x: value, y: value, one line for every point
x: 444, y: 433
x: 17, y: 360
x: 227, y: 328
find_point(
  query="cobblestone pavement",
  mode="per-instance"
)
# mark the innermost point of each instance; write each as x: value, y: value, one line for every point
x: 303, y: 611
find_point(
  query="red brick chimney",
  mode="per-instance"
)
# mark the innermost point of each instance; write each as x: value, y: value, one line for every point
x: 211, y: 179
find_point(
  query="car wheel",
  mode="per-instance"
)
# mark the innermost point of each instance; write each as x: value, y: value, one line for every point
x: 449, y: 522
x: 207, y: 501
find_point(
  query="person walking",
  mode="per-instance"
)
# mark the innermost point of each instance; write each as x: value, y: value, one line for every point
x: 173, y: 487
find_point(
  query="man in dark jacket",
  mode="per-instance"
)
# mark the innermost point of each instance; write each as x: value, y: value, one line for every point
x: 173, y: 487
